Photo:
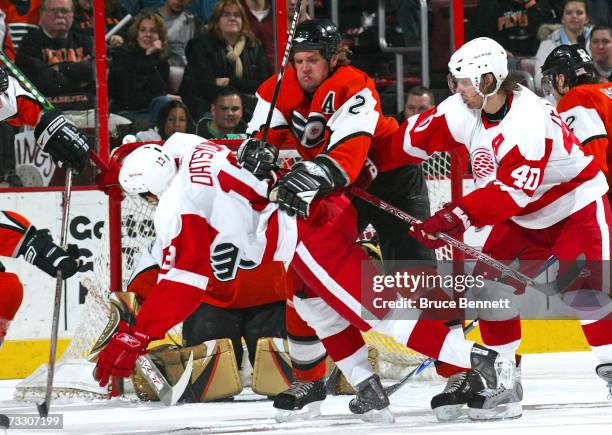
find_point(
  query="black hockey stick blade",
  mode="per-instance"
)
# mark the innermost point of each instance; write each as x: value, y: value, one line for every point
x: 43, y: 409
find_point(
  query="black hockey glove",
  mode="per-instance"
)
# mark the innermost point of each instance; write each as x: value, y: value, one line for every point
x: 260, y: 161
x: 4, y: 80
x: 62, y: 139
x: 38, y: 248
x: 296, y: 189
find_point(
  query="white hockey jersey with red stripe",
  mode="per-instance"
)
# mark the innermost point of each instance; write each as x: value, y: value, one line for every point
x: 528, y: 167
x: 213, y: 219
x: 19, y: 107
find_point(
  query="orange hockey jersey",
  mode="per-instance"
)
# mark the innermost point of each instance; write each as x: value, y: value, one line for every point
x: 13, y: 227
x: 21, y: 17
x: 587, y: 109
x: 342, y: 119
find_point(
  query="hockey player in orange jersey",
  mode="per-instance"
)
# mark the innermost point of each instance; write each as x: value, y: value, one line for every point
x: 583, y: 103
x: 330, y: 112
x: 19, y: 238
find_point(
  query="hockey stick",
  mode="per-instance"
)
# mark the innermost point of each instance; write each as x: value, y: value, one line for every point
x: 167, y: 393
x: 281, y: 73
x: 419, y: 369
x: 43, y: 408
x: 41, y: 99
x: 549, y: 288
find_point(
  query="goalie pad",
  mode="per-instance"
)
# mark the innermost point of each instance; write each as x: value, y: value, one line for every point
x: 215, y: 373
x: 272, y: 371
x: 122, y: 306
x: 337, y: 383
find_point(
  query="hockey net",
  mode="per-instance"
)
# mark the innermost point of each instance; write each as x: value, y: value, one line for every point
x: 73, y: 376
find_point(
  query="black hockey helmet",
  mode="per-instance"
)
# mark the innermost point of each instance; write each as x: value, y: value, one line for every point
x: 317, y: 34
x: 570, y: 60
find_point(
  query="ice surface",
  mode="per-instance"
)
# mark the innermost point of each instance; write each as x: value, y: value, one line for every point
x: 563, y: 395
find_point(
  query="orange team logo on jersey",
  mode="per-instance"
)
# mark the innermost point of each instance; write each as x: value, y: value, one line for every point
x: 63, y: 55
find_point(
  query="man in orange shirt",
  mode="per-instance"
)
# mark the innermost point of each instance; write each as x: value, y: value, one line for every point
x: 583, y: 103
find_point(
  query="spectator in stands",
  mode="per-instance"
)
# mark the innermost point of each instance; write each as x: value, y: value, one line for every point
x: 6, y: 42
x: 512, y: 23
x: 139, y: 72
x: 181, y: 26
x: 600, y: 11
x: 57, y: 59
x: 418, y: 100
x: 600, y: 45
x: 22, y: 16
x: 173, y: 117
x: 224, y: 121
x: 84, y: 20
x: 574, y: 30
x: 226, y: 54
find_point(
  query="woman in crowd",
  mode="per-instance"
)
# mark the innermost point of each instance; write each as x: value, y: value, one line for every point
x: 226, y: 54
x: 173, y: 117
x: 574, y: 30
x: 139, y: 72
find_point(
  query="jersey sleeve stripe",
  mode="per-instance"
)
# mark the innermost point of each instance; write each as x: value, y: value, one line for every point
x: 187, y: 278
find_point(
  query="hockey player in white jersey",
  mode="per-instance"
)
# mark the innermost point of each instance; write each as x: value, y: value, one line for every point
x: 534, y: 184
x: 212, y: 201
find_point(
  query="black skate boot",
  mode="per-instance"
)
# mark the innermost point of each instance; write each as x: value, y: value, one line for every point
x: 290, y: 403
x: 449, y: 404
x: 604, y: 371
x: 501, y: 399
x: 371, y: 402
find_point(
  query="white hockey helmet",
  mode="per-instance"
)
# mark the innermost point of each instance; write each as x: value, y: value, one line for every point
x: 478, y: 57
x: 147, y: 169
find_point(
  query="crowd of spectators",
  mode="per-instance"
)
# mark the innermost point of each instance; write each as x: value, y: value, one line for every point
x: 206, y: 58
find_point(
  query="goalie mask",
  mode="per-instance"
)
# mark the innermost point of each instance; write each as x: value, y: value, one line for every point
x: 148, y: 170
x: 473, y: 60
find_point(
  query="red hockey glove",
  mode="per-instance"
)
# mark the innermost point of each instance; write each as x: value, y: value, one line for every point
x: 451, y: 220
x: 119, y: 356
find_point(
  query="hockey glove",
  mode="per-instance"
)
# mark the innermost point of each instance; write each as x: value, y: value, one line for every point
x: 38, y: 249
x: 119, y: 356
x: 62, y: 140
x: 260, y: 161
x: 451, y: 220
x: 4, y: 80
x: 296, y: 189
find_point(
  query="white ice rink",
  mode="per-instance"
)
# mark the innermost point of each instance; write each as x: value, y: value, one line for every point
x: 562, y: 396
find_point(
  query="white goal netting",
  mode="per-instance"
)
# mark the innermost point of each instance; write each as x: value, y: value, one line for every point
x: 74, y: 373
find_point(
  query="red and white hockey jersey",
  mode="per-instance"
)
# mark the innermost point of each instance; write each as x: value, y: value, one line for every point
x: 341, y: 120
x: 19, y: 107
x: 528, y: 167
x: 13, y: 227
x: 213, y: 219
x: 587, y: 110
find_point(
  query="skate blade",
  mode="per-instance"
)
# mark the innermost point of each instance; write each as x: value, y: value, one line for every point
x: 310, y: 411
x: 451, y: 412
x: 502, y: 412
x: 378, y: 416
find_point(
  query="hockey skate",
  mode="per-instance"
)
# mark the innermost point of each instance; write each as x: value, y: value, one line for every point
x: 604, y: 371
x: 372, y: 402
x: 451, y: 403
x: 501, y: 399
x: 301, y: 401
